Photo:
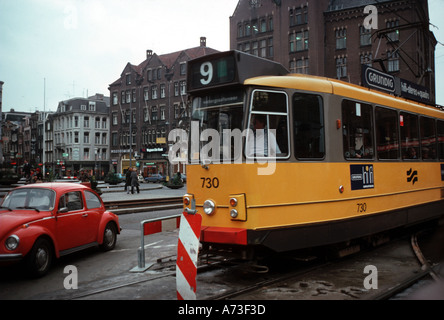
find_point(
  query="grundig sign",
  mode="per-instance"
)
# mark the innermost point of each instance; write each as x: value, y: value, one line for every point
x: 375, y: 79
x: 379, y: 80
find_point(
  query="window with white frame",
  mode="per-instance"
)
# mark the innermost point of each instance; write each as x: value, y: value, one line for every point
x: 162, y: 91
x: 162, y: 113
x: 183, y: 88
x: 86, y: 154
x: 176, y: 89
x: 86, y: 137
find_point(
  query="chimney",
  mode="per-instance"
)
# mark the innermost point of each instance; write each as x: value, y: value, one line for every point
x: 203, y: 41
x: 149, y: 53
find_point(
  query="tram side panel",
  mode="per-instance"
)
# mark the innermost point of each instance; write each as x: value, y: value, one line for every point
x: 310, y: 203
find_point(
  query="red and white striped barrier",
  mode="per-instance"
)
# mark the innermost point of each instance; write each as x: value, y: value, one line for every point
x: 161, y: 226
x: 187, y: 252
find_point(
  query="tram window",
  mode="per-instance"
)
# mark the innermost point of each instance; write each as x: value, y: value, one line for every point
x: 308, y: 122
x: 268, y: 134
x: 409, y: 136
x: 220, y: 114
x: 357, y: 130
x: 428, y: 138
x: 266, y: 101
x: 387, y: 134
x: 440, y: 127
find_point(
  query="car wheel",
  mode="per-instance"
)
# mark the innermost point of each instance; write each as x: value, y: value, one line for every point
x: 109, y: 237
x: 39, y: 259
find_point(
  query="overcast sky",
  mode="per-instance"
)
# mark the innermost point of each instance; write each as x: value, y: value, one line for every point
x: 79, y: 47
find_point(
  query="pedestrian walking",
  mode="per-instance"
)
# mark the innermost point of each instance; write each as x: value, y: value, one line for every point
x: 27, y: 170
x: 128, y: 180
x: 134, y: 181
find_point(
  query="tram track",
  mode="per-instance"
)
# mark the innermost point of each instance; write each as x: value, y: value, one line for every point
x: 142, y: 205
x: 218, y: 278
x: 425, y: 271
x: 293, y: 284
x: 161, y: 270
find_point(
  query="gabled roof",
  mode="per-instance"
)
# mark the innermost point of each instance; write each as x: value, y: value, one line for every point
x: 76, y: 103
x: 168, y: 60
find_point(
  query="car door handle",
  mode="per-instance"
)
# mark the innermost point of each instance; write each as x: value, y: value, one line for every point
x: 85, y: 215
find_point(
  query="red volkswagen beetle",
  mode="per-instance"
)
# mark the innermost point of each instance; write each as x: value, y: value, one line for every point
x: 41, y: 221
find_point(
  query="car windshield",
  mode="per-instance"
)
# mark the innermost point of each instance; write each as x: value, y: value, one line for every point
x: 32, y: 198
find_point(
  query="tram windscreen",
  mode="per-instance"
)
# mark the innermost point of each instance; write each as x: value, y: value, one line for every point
x: 220, y: 121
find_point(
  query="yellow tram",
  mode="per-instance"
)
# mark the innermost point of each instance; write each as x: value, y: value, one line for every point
x: 340, y: 161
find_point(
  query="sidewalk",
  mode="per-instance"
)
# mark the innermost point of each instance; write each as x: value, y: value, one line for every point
x: 117, y: 192
x: 147, y: 191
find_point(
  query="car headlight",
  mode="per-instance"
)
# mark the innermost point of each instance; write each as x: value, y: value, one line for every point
x: 12, y: 242
x: 209, y: 207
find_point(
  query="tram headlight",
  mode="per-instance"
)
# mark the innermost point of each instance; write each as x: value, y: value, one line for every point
x: 209, y: 207
x: 233, y: 202
x: 234, y: 214
x: 12, y: 242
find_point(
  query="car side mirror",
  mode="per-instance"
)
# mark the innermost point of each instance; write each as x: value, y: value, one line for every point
x: 63, y: 210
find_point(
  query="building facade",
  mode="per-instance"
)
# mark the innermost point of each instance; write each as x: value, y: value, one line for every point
x: 147, y: 102
x: 329, y: 38
x: 1, y: 125
x: 80, y: 136
x: 14, y: 126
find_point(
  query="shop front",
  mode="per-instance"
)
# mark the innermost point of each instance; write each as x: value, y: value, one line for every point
x: 148, y: 161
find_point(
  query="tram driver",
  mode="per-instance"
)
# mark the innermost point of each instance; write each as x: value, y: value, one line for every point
x: 258, y: 142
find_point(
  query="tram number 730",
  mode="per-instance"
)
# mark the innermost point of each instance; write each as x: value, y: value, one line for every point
x: 210, y: 183
x: 362, y: 207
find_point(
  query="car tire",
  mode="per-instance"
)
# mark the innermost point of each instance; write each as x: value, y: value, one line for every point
x: 39, y: 260
x: 109, y: 237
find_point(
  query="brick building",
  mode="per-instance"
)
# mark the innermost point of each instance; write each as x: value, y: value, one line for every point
x: 147, y: 101
x: 328, y: 37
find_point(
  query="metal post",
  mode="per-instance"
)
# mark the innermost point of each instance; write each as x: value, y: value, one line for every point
x: 141, y: 266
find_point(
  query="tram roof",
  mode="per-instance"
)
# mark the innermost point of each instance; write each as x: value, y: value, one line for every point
x: 340, y: 88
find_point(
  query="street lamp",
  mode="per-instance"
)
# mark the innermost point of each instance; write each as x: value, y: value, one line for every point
x: 139, y: 82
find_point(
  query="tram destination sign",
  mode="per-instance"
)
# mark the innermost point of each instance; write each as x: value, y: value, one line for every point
x: 229, y: 68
